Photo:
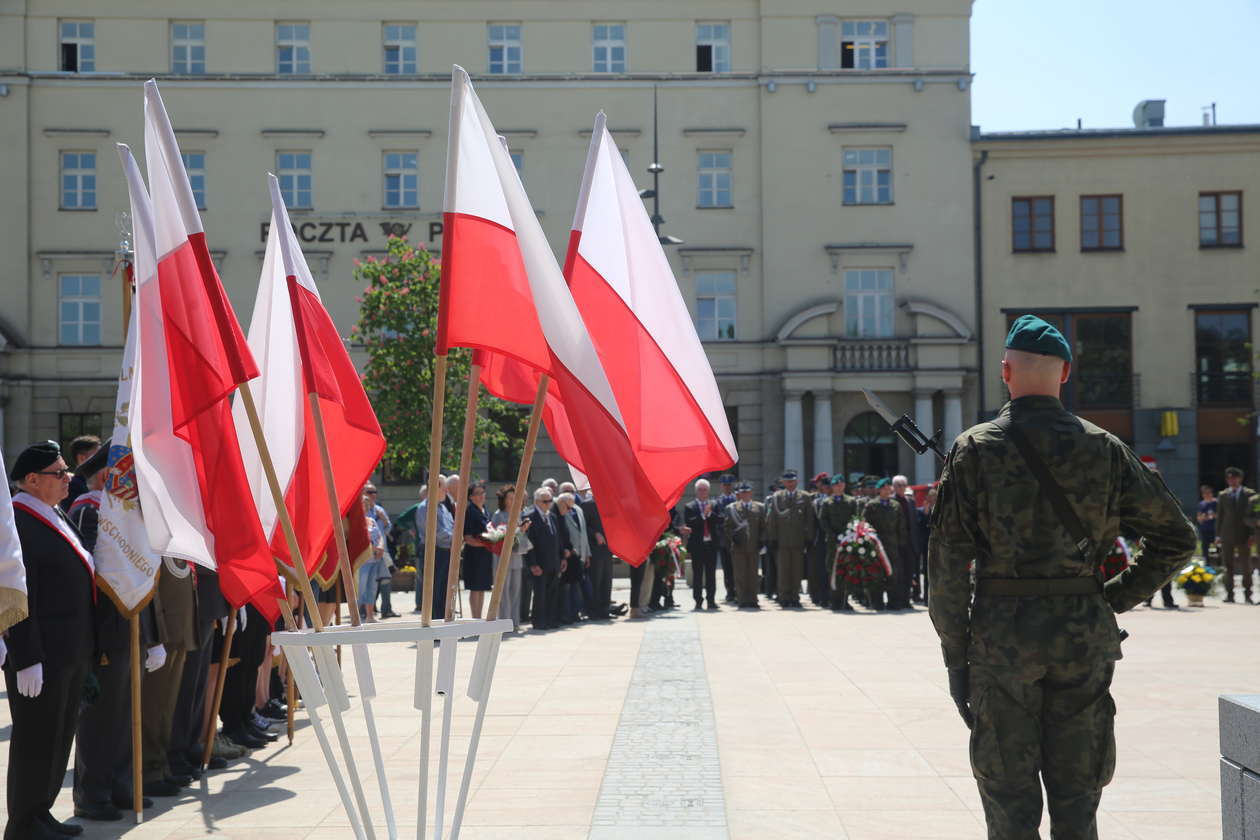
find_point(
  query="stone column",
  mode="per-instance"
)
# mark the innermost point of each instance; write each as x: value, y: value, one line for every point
x: 953, y: 416
x: 925, y: 463
x: 824, y: 455
x: 793, y: 433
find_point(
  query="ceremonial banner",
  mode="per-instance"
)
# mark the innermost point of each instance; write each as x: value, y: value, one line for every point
x: 190, y: 356
x: 126, y: 565
x: 622, y: 283
x: 13, y: 606
x: 300, y: 353
x: 503, y: 293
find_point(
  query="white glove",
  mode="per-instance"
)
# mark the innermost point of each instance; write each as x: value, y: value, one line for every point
x: 240, y: 620
x: 30, y: 680
x: 156, y: 658
x: 4, y: 651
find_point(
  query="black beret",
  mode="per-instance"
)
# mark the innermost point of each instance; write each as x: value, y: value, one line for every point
x: 1033, y: 335
x: 788, y: 475
x: 727, y: 478
x: 95, y: 464
x: 34, y: 458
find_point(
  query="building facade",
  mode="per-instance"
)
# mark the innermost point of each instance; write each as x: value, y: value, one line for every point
x: 816, y: 168
x: 1136, y: 243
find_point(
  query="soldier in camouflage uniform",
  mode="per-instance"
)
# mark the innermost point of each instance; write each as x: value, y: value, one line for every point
x: 790, y: 526
x: 1031, y: 658
x: 833, y: 520
x: 817, y: 570
x: 885, y: 515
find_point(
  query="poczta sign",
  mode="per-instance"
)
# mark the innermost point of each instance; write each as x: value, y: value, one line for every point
x: 350, y: 231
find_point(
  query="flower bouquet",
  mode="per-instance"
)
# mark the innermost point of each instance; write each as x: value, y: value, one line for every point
x: 494, y: 534
x: 669, y: 556
x: 1196, y: 580
x: 860, y: 557
x: 1120, y: 558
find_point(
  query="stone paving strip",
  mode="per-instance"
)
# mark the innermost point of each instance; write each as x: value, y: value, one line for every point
x: 663, y: 779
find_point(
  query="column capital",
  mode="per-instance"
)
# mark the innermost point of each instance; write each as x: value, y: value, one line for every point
x: 793, y: 394
x: 953, y: 393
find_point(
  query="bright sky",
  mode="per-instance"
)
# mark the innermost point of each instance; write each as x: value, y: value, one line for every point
x: 1042, y: 64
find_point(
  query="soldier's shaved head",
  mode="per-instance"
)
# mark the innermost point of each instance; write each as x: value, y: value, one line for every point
x: 1033, y: 374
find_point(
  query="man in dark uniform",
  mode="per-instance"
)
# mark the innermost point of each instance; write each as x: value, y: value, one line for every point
x: 726, y: 497
x: 743, y: 527
x: 1035, y: 499
x: 769, y: 571
x: 175, y: 605
x: 50, y: 652
x: 833, y: 520
x: 816, y: 563
x: 885, y: 516
x: 790, y: 525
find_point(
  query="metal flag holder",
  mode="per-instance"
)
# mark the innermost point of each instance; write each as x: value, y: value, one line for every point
x: 312, y: 658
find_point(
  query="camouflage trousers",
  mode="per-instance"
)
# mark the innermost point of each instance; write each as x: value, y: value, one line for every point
x: 1042, y: 724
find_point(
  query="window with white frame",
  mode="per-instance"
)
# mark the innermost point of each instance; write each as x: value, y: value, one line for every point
x: 79, y: 309
x: 78, y: 180
x: 713, y: 48
x: 715, y: 305
x: 868, y: 176
x: 400, y: 48
x: 402, y: 180
x: 293, y: 170
x: 188, y: 47
x: 293, y: 48
x: 78, y: 46
x: 863, y: 44
x: 868, y: 302
x: 505, y: 48
x: 608, y: 47
x: 714, y: 178
x: 195, y: 165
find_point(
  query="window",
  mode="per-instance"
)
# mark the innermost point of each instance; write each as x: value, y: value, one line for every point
x: 293, y: 48
x: 713, y: 48
x: 73, y: 425
x: 1220, y: 220
x: 293, y: 169
x: 402, y: 180
x: 1032, y: 223
x: 868, y: 176
x: 714, y: 188
x: 715, y: 305
x: 78, y: 46
x: 505, y: 48
x: 1102, y: 367
x: 1102, y: 223
x: 195, y: 164
x: 1222, y: 349
x: 608, y: 46
x: 79, y: 309
x: 869, y: 446
x: 868, y: 303
x: 188, y: 48
x: 864, y: 44
x: 400, y: 48
x: 78, y: 180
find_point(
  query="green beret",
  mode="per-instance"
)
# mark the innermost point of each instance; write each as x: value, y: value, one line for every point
x: 883, y: 482
x: 1033, y: 335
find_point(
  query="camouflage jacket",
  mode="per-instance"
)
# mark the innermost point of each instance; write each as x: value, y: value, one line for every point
x: 990, y: 510
x: 790, y: 519
x: 889, y: 523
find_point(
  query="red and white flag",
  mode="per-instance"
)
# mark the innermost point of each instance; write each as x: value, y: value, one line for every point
x: 300, y: 352
x: 13, y: 606
x: 504, y: 294
x: 190, y: 356
x: 622, y: 283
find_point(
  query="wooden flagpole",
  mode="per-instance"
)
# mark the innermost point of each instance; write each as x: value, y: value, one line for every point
x: 461, y: 503
x: 339, y: 527
x: 434, y: 498
x: 211, y: 724
x: 354, y: 608
x: 518, y: 498
x: 137, y: 773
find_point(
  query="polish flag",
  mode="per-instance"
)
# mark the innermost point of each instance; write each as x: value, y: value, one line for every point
x: 503, y: 294
x: 301, y: 353
x: 629, y: 299
x: 190, y: 355
x: 358, y: 546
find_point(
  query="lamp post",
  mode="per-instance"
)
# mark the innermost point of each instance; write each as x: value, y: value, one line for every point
x: 656, y: 169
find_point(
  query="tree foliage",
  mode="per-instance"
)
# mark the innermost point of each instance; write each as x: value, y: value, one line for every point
x: 398, y: 313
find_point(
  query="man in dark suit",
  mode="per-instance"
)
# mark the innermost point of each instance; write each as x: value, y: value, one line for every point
x: 545, y: 561
x: 601, y: 560
x: 50, y: 652
x: 703, y: 524
x: 726, y: 497
x: 1233, y: 510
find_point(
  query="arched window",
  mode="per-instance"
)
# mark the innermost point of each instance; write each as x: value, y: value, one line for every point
x: 869, y: 446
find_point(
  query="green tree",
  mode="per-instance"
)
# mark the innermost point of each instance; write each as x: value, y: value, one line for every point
x: 398, y: 313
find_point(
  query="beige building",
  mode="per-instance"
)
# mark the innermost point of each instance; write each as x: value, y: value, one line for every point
x: 1136, y: 243
x: 816, y: 166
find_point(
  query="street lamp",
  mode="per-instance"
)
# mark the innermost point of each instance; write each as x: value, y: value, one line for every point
x: 656, y: 169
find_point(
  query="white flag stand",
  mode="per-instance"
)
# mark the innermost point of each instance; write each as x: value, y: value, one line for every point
x: 310, y: 655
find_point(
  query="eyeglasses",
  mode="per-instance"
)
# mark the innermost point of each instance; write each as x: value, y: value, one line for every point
x: 57, y: 473
x: 544, y: 501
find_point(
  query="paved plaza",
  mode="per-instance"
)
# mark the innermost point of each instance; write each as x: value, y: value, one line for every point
x: 739, y: 725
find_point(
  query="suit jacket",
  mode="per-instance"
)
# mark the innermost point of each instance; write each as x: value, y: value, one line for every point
x: 1232, y: 512
x: 908, y: 512
x: 697, y: 519
x: 547, y: 533
x: 595, y: 525
x: 59, y: 630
